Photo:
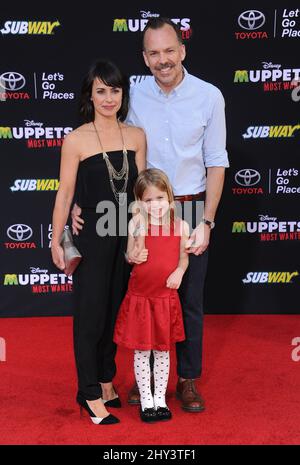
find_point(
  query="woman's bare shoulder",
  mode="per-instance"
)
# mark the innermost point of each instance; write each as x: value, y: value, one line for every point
x: 134, y: 130
x: 75, y: 136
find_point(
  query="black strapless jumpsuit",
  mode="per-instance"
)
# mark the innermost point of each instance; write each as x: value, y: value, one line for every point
x: 101, y: 279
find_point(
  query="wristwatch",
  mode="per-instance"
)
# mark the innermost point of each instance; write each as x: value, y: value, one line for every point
x: 211, y: 224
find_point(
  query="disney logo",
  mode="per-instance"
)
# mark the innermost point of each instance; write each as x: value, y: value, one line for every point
x: 266, y: 218
x: 148, y: 14
x: 269, y: 65
x: 32, y: 123
x: 38, y: 270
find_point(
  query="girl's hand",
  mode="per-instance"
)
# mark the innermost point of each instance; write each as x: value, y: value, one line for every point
x: 138, y: 255
x: 58, y: 256
x: 175, y: 278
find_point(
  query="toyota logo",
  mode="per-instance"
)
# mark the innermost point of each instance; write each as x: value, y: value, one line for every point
x: 251, y: 19
x: 19, y: 232
x: 12, y: 81
x: 247, y: 177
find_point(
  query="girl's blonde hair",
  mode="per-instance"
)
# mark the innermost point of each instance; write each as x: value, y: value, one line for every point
x: 159, y: 179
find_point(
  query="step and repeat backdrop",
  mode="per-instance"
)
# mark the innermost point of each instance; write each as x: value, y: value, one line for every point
x: 249, y: 50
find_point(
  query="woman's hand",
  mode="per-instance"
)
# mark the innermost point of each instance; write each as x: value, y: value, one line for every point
x: 77, y: 221
x: 58, y: 256
x: 175, y: 278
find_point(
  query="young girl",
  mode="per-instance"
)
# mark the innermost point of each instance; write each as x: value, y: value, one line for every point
x: 150, y: 316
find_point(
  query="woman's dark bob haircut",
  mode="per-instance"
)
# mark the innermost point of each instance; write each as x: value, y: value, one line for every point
x: 111, y: 76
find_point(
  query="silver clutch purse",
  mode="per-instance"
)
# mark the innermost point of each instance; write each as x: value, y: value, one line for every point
x: 72, y: 256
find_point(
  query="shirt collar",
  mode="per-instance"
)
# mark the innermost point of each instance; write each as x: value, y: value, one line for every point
x: 177, y: 90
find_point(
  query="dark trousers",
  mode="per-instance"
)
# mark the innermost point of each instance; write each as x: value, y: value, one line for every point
x: 189, y: 352
x: 100, y: 283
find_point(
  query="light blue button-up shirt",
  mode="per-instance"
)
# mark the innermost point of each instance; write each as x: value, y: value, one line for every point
x: 185, y: 129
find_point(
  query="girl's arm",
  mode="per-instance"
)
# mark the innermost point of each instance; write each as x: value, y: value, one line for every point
x: 175, y: 278
x: 130, y: 241
x: 136, y: 252
x: 68, y: 173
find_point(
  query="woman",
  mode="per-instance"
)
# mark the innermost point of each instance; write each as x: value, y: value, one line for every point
x: 105, y: 156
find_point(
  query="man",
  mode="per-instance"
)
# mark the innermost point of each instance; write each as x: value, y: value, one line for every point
x: 184, y: 121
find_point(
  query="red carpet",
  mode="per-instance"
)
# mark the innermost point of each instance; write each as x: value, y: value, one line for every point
x: 250, y: 383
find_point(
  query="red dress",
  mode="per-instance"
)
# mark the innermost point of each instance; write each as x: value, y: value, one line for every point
x: 150, y: 316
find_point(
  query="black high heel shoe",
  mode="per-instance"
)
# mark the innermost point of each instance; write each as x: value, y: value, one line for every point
x: 115, y: 403
x: 109, y: 420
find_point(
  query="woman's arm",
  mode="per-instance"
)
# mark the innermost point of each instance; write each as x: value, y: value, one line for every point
x: 140, y: 155
x: 68, y: 173
x: 136, y: 252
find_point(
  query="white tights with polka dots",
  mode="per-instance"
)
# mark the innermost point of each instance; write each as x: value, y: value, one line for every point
x: 143, y: 377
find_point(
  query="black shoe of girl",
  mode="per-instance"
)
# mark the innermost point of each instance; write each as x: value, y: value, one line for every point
x: 148, y: 415
x: 163, y: 414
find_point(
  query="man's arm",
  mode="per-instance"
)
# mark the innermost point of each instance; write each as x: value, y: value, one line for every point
x: 216, y: 160
x: 214, y: 187
x: 199, y: 240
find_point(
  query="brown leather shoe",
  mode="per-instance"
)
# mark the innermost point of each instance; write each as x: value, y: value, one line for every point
x: 134, y: 394
x: 191, y: 401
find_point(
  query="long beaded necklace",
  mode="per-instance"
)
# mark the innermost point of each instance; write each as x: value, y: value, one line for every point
x: 120, y: 195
